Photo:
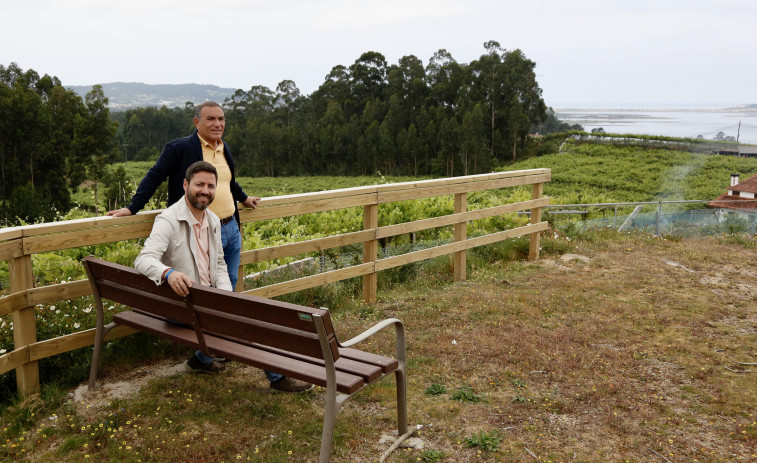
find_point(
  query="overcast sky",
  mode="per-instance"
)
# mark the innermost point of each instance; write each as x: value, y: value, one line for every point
x: 630, y: 53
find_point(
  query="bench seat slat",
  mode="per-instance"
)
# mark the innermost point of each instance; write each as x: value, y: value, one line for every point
x: 367, y: 371
x: 296, y: 368
x: 387, y: 364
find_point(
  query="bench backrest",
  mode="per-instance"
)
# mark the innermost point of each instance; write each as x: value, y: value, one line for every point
x: 251, y: 319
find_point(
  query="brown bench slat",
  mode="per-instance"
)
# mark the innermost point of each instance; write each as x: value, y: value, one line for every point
x: 296, y: 368
x: 260, y: 332
x: 160, y: 305
x: 266, y: 310
x: 367, y: 371
x: 176, y: 333
x: 387, y: 364
x: 109, y: 271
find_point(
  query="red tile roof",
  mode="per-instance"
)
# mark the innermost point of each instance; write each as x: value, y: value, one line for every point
x: 737, y: 202
x: 749, y: 185
x: 734, y: 202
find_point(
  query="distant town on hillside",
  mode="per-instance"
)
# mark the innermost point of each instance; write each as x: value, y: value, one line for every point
x: 127, y: 95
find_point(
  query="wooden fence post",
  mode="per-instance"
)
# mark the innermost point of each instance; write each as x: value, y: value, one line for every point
x: 533, y: 248
x: 24, y: 325
x: 370, y: 253
x: 458, y: 262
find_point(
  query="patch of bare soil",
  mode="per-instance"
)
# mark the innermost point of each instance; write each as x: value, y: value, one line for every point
x: 125, y: 385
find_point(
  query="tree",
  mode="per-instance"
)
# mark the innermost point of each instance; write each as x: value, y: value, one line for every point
x: 94, y: 140
x: 407, y: 81
x: 507, y: 83
x: 35, y: 138
x: 445, y: 79
x: 287, y: 95
x: 368, y: 77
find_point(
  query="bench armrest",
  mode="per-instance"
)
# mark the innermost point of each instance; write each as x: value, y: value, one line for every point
x: 399, y: 332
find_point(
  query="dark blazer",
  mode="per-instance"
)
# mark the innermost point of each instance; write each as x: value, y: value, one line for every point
x: 173, y: 162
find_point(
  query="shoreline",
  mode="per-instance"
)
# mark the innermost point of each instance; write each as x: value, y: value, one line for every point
x: 688, y: 110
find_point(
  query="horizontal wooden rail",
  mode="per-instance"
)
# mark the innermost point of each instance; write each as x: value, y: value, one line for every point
x: 312, y: 281
x: 18, y: 244
x: 303, y: 247
x: 44, y: 349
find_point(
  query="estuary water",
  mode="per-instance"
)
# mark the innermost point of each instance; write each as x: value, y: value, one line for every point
x: 669, y: 122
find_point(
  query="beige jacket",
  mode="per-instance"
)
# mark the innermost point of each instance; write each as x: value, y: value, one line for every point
x: 172, y: 244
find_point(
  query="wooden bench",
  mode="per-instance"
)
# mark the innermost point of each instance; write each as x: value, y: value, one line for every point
x: 290, y: 339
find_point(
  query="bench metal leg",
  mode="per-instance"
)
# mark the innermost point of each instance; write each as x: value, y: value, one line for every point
x: 100, y: 333
x: 401, y: 377
x: 334, y: 402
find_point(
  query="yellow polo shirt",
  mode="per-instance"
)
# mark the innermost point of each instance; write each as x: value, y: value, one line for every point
x: 223, y: 204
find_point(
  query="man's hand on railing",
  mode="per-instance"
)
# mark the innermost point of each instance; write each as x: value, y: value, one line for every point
x: 123, y: 212
x: 251, y: 201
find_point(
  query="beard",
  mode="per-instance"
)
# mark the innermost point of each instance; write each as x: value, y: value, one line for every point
x: 194, y: 200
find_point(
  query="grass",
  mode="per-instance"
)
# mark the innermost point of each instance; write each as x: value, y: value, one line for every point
x: 626, y: 357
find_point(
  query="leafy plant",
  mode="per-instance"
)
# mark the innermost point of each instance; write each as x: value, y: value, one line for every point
x: 431, y: 455
x: 488, y: 441
x: 436, y: 389
x: 465, y: 394
x: 519, y: 383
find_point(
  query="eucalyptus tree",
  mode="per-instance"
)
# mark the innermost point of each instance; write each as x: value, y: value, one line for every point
x: 95, y: 137
x: 368, y: 78
x: 526, y: 102
x: 445, y: 77
x: 506, y: 82
x: 36, y: 135
x: 407, y: 80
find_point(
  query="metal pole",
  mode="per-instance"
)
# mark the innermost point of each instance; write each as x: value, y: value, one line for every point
x: 657, y: 219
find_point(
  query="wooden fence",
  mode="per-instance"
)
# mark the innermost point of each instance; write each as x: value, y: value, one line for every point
x: 18, y: 244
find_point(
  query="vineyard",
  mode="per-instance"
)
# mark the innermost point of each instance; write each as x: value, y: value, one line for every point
x: 586, y: 173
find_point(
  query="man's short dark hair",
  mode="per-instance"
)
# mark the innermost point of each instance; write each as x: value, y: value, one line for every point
x: 204, y: 104
x: 200, y: 166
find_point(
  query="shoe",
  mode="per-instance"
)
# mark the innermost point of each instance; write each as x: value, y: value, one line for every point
x: 196, y: 366
x: 291, y: 385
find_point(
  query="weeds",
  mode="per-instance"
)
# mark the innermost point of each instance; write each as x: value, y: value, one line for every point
x: 465, y: 394
x: 436, y: 389
x: 431, y: 455
x: 488, y: 441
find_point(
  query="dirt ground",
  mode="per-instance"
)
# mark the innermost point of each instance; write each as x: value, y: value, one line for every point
x: 636, y: 349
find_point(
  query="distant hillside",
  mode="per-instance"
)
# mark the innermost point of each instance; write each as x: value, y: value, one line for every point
x: 125, y: 95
